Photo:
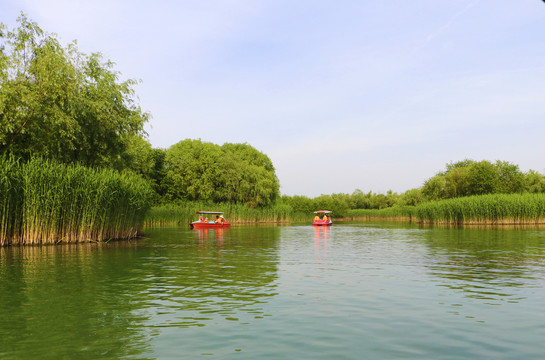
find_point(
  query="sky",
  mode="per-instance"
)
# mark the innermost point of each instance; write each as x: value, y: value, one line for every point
x: 341, y: 95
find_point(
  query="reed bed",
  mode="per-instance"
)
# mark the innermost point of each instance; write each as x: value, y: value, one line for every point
x: 44, y: 202
x: 392, y: 213
x: 185, y: 212
x: 485, y: 209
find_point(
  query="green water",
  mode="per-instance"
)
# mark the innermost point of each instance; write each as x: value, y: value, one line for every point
x: 352, y: 291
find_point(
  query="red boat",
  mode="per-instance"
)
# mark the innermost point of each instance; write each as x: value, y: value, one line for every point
x: 325, y: 220
x: 205, y: 223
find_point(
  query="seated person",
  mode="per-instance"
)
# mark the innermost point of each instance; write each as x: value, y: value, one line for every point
x: 316, y: 218
x: 325, y: 218
x: 217, y: 221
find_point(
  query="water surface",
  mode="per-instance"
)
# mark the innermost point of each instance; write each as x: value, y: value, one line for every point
x: 352, y: 291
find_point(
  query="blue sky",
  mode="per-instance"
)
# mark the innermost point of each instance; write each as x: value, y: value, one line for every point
x: 341, y: 95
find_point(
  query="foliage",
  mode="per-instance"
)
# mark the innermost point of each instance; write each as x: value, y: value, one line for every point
x: 43, y: 201
x: 201, y: 171
x: 395, y: 212
x: 468, y: 177
x: 491, y: 208
x: 534, y: 182
x: 185, y: 212
x: 411, y: 197
x: 58, y: 103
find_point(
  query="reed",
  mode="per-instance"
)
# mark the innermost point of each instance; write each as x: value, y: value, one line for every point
x: 45, y: 202
x: 185, y: 212
x: 396, y: 212
x: 485, y: 209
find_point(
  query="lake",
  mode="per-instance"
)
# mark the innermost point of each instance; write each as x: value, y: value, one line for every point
x: 351, y: 291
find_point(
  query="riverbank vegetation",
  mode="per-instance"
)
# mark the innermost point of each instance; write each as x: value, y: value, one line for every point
x: 43, y: 201
x: 70, y: 140
x: 466, y: 192
x: 58, y: 103
x: 485, y: 209
x: 77, y: 165
x: 62, y: 106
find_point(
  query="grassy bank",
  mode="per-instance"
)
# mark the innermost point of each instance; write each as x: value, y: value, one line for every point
x: 43, y: 202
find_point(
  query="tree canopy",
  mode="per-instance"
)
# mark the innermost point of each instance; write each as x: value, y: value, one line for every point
x: 56, y: 102
x: 469, y: 177
x: 196, y: 170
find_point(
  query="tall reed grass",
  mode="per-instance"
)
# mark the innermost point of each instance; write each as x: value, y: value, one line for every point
x: 485, y: 209
x: 185, y: 212
x: 46, y: 202
x: 396, y: 212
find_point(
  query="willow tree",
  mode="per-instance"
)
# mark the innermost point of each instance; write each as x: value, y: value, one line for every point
x: 248, y: 176
x: 238, y: 173
x: 56, y: 102
x: 190, y: 170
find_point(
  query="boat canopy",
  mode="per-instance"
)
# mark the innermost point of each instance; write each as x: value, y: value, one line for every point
x: 210, y: 212
x: 323, y: 212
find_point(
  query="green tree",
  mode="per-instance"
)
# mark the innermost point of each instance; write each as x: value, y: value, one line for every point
x: 58, y: 103
x: 534, y: 182
x: 196, y: 170
x: 434, y: 188
x: 190, y: 170
x: 358, y: 200
x: 412, y: 197
x: 456, y: 182
x: 458, y: 164
x: 469, y: 177
x: 511, y: 179
x: 246, y: 175
x: 146, y: 161
x: 299, y: 203
x: 483, y: 178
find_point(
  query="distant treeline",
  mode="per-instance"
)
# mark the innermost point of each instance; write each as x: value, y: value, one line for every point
x: 459, y: 179
x: 492, y: 209
x: 466, y: 192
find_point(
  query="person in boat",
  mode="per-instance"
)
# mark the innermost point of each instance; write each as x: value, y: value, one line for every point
x: 328, y: 218
x: 325, y: 217
x: 200, y: 219
x: 222, y: 219
x: 316, y: 218
x: 206, y: 219
x: 218, y: 220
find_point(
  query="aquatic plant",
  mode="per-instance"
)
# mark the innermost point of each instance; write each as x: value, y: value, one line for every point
x: 185, y: 212
x: 43, y: 201
x: 485, y: 209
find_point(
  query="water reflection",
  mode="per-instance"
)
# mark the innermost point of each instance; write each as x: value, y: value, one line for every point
x: 111, y: 300
x: 321, y: 234
x: 205, y: 235
x: 70, y: 296
x: 257, y: 292
x: 229, y: 274
x: 489, y: 263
